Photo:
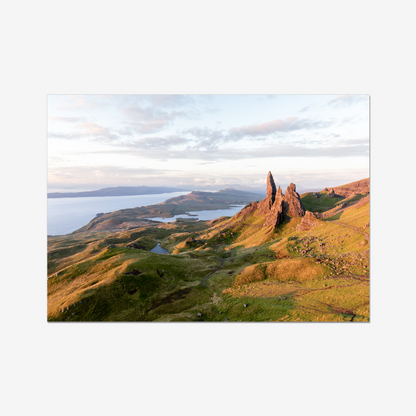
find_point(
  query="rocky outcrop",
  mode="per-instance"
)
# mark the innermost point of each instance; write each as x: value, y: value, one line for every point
x: 292, y: 203
x: 354, y: 188
x: 271, y: 186
x: 276, y: 215
x: 267, y: 203
x: 246, y: 211
x: 308, y: 221
x: 276, y: 204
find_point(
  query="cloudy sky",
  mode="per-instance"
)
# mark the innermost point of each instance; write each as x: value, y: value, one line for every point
x: 314, y: 141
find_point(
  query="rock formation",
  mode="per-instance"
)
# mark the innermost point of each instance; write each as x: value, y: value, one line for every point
x: 266, y: 204
x: 276, y: 205
x: 271, y: 187
x: 276, y: 214
x: 245, y: 212
x: 292, y: 203
x: 307, y: 222
x: 359, y: 187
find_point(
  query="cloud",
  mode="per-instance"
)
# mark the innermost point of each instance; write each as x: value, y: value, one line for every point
x: 158, y: 150
x: 68, y: 136
x: 307, y: 108
x: 170, y: 101
x: 346, y: 100
x: 209, y: 138
x: 149, y: 119
x: 206, y: 138
x: 352, y: 142
x: 143, y: 114
x: 102, y: 174
x: 86, y: 129
x: 205, y: 133
x: 157, y: 142
x: 81, y: 102
x: 287, y: 125
x: 67, y: 119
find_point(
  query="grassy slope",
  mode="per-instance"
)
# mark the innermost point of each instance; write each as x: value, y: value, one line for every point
x: 321, y: 204
x: 280, y: 275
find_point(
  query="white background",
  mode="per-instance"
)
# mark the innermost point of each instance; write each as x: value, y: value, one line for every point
x: 355, y: 47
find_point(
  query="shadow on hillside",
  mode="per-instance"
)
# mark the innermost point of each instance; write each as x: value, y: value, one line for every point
x: 334, y: 217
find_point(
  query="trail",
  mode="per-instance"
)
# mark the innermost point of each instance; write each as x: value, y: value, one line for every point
x: 205, y: 279
x: 354, y: 228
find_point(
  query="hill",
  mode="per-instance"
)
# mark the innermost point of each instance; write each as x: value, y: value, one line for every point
x: 117, y: 191
x: 194, y: 201
x: 289, y: 257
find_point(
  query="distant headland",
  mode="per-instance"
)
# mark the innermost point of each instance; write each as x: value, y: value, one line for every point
x: 118, y: 191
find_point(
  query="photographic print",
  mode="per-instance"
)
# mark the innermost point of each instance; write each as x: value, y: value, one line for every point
x: 208, y: 208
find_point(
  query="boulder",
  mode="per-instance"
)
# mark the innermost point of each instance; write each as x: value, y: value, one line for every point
x: 308, y: 221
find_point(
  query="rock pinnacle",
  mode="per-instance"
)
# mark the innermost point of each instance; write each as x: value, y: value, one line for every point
x: 271, y: 187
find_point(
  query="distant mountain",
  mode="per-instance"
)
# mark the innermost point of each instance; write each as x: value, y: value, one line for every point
x: 214, y: 188
x: 118, y: 191
x: 253, y: 189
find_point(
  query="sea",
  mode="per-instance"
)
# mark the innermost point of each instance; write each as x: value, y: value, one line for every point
x: 66, y: 215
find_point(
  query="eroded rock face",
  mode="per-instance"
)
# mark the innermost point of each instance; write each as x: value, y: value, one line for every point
x: 247, y: 210
x: 267, y: 203
x: 292, y: 203
x: 307, y: 222
x: 276, y: 215
x: 271, y: 187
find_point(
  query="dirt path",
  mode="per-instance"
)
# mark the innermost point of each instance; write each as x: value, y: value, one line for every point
x: 205, y: 279
x: 355, y: 229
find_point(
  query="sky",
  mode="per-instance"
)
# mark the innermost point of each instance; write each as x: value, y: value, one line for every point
x: 198, y: 141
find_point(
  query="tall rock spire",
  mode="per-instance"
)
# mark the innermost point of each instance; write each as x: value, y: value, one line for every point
x: 271, y: 187
x: 266, y: 204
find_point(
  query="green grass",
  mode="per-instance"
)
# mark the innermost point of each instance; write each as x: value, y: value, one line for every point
x: 279, y: 274
x: 325, y: 202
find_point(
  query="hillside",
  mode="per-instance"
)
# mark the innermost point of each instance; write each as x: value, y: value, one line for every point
x: 194, y: 201
x: 289, y: 257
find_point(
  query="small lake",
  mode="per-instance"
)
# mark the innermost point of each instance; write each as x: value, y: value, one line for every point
x: 159, y: 250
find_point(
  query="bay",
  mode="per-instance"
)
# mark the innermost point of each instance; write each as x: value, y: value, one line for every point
x: 66, y: 215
